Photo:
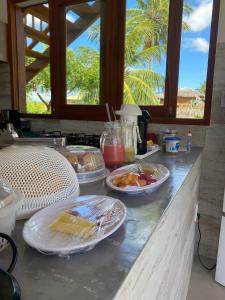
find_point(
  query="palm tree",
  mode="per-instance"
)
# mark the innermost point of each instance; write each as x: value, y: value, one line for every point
x: 146, y: 44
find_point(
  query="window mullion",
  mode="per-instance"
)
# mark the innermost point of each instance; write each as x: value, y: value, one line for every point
x: 173, y: 56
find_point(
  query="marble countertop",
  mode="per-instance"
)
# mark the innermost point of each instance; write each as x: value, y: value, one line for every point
x: 98, y: 274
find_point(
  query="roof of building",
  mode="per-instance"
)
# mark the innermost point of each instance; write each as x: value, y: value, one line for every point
x: 187, y: 93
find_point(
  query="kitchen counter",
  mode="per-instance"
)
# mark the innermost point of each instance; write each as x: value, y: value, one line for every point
x: 136, y: 260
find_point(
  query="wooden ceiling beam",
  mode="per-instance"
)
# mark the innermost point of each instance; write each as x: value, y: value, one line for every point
x: 35, y: 54
x: 34, y: 43
x: 36, y: 35
x: 39, y: 11
x: 73, y: 33
x: 84, y: 9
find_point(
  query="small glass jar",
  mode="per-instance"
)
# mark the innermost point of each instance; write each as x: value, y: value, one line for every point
x: 112, y: 145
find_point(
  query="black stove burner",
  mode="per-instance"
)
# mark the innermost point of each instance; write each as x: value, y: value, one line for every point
x: 83, y: 139
x: 71, y: 138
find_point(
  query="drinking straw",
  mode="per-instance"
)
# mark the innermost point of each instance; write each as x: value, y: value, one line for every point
x: 113, y: 111
x: 108, y: 112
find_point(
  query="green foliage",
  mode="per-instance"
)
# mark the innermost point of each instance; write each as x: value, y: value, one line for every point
x: 83, y: 74
x: 202, y: 88
x: 34, y: 107
x: 146, y: 44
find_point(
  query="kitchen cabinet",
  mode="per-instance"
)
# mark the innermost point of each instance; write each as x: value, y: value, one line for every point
x: 3, y: 30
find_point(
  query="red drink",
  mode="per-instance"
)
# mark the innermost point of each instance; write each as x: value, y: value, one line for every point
x: 114, y: 155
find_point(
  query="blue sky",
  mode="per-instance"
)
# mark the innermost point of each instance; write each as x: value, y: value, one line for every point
x: 194, y: 46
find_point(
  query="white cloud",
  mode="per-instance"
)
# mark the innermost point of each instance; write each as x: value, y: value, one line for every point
x: 200, y: 18
x: 197, y: 44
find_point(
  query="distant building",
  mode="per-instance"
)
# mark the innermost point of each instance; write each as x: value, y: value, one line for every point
x: 187, y: 97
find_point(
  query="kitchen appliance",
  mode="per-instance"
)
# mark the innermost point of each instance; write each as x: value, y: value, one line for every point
x: 9, y: 287
x: 41, y: 174
x: 143, y: 121
x: 129, y: 114
x: 10, y: 200
x: 220, y: 266
x: 10, y: 120
x: 112, y: 145
x: 71, y: 138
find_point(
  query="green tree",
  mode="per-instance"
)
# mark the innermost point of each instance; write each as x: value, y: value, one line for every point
x: 146, y: 44
x: 41, y: 86
x: 82, y: 79
x: 202, y: 88
x: 83, y: 74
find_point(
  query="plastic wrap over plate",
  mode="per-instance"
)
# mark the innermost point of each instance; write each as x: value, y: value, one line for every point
x: 107, y: 213
x: 161, y: 173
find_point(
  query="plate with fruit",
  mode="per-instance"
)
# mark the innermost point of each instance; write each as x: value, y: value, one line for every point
x: 138, y: 178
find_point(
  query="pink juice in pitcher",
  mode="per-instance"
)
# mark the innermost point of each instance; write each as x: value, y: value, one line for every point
x: 114, y: 155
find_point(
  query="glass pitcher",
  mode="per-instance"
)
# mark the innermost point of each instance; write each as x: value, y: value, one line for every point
x: 112, y: 145
x: 129, y: 131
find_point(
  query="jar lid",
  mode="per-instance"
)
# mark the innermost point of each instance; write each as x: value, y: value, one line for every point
x: 172, y: 138
x: 80, y: 148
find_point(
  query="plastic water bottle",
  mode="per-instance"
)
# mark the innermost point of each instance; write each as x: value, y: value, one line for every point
x: 189, y: 136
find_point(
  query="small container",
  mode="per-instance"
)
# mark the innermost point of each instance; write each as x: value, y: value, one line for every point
x: 172, y: 144
x: 163, y: 135
x: 9, y: 204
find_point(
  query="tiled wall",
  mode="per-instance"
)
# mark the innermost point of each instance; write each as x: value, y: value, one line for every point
x: 5, y: 90
x: 213, y: 167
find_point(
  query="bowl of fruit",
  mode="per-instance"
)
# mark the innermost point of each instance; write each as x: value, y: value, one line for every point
x: 138, y: 178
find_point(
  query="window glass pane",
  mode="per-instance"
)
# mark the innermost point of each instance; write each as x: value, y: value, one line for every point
x: 83, y: 53
x: 37, y: 48
x: 197, y: 15
x: 145, y: 51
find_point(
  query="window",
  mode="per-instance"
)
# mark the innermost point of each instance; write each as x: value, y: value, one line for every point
x: 194, y: 56
x: 35, y: 79
x: 145, y: 52
x: 83, y: 42
x: 158, y: 54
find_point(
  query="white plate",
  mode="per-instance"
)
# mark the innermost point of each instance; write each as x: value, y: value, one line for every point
x: 110, y: 212
x: 162, y: 173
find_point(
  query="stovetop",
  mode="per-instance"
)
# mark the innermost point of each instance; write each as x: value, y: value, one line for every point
x: 71, y: 138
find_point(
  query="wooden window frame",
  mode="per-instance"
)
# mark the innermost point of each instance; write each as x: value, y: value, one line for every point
x: 111, y: 86
x: 112, y: 91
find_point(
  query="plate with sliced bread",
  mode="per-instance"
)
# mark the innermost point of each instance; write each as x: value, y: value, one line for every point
x: 74, y: 225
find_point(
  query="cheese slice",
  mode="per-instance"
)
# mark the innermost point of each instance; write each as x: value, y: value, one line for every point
x: 74, y: 225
